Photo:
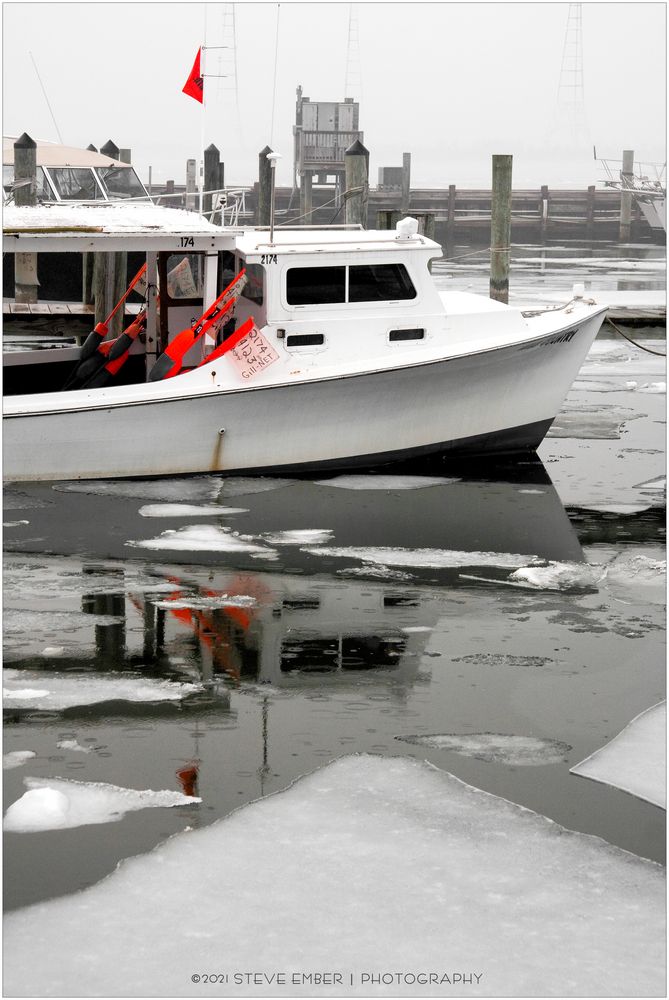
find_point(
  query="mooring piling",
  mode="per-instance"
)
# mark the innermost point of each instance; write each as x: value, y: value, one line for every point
x: 627, y: 178
x: 212, y: 159
x: 264, y: 188
x: 500, y: 227
x: 25, y: 194
x: 356, y: 162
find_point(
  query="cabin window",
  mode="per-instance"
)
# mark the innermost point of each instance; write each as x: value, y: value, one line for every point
x: 254, y: 289
x: 307, y: 286
x: 409, y: 334
x: 185, y: 276
x: 121, y: 182
x: 76, y: 184
x: 305, y: 340
x: 379, y: 283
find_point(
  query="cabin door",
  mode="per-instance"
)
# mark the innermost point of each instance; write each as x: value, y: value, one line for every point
x: 181, y: 283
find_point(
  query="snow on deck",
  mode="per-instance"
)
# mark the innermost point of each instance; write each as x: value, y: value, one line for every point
x: 635, y: 761
x: 110, y: 218
x: 371, y: 866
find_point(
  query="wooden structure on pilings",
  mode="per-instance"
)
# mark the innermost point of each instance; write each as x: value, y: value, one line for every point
x: 323, y: 131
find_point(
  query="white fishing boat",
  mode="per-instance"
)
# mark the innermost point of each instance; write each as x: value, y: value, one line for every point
x: 350, y: 355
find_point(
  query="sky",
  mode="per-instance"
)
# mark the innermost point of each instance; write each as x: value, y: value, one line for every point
x: 450, y: 83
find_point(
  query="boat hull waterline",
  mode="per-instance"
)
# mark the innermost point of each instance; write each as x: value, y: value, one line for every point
x: 498, y: 400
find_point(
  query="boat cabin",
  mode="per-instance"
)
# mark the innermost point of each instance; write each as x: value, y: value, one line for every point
x: 70, y: 174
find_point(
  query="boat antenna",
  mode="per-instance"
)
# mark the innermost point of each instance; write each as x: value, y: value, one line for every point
x: 276, y: 59
x: 47, y: 99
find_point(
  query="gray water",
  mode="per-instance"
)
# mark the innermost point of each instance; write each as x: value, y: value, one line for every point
x: 362, y: 637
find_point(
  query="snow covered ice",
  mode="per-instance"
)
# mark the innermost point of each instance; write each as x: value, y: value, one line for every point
x: 368, y: 865
x: 498, y: 748
x: 55, y: 692
x: 53, y: 804
x: 635, y: 760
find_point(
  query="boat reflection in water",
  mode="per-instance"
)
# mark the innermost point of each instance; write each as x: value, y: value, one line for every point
x: 362, y: 601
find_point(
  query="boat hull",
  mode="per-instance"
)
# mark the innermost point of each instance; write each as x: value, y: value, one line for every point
x: 499, y: 400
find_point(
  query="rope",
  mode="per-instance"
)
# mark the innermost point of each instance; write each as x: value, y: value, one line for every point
x: 640, y: 346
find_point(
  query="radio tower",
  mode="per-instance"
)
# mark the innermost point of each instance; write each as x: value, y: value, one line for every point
x: 227, y: 87
x: 353, y: 78
x: 571, y: 96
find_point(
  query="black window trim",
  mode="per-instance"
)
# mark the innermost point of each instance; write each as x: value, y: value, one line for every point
x: 308, y: 305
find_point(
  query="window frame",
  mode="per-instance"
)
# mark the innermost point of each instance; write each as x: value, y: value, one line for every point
x: 365, y: 303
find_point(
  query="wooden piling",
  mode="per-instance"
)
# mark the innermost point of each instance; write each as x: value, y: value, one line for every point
x: 110, y: 149
x: 627, y: 178
x: 306, y: 198
x: 26, y: 283
x: 356, y: 161
x: 450, y: 219
x: 590, y: 213
x: 212, y: 159
x: 125, y: 155
x: 500, y: 228
x: 264, y: 188
x: 406, y: 183
x: 191, y: 185
x: 543, y: 208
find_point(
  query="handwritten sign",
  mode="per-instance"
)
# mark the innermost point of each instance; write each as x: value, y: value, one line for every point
x: 253, y: 354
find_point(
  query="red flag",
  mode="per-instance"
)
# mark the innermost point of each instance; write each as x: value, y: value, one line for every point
x: 194, y: 84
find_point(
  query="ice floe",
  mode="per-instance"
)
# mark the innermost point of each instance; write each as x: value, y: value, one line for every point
x: 299, y: 536
x: 58, y: 803
x: 635, y: 761
x: 205, y: 603
x: 369, y: 865
x: 55, y: 692
x: 16, y: 758
x: 188, y: 510
x: 426, y: 558
x: 496, y: 748
x: 636, y: 577
x: 236, y: 486
x: 202, y: 538
x: 73, y: 745
x: 558, y: 576
x: 389, y: 483
x: 193, y: 488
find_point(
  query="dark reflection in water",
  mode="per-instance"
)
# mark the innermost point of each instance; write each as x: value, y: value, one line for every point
x: 400, y: 620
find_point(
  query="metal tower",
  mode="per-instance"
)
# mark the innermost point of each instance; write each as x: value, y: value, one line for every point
x: 353, y: 78
x: 227, y: 86
x: 571, y: 94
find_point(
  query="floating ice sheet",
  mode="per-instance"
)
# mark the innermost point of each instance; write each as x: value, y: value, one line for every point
x: 388, y: 483
x: 416, y: 870
x: 497, y: 748
x: 558, y: 576
x: 55, y: 692
x: 236, y: 486
x: 587, y: 422
x: 206, y: 603
x: 426, y: 558
x: 194, y: 488
x: 637, y: 578
x: 202, y: 538
x: 73, y: 745
x: 16, y: 758
x: 56, y: 804
x: 188, y: 510
x: 635, y: 761
x: 299, y: 536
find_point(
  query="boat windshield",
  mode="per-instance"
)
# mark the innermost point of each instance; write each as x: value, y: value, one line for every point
x: 76, y: 183
x: 44, y: 192
x: 121, y: 182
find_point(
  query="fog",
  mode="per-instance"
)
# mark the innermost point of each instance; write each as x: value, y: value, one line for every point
x: 451, y: 83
